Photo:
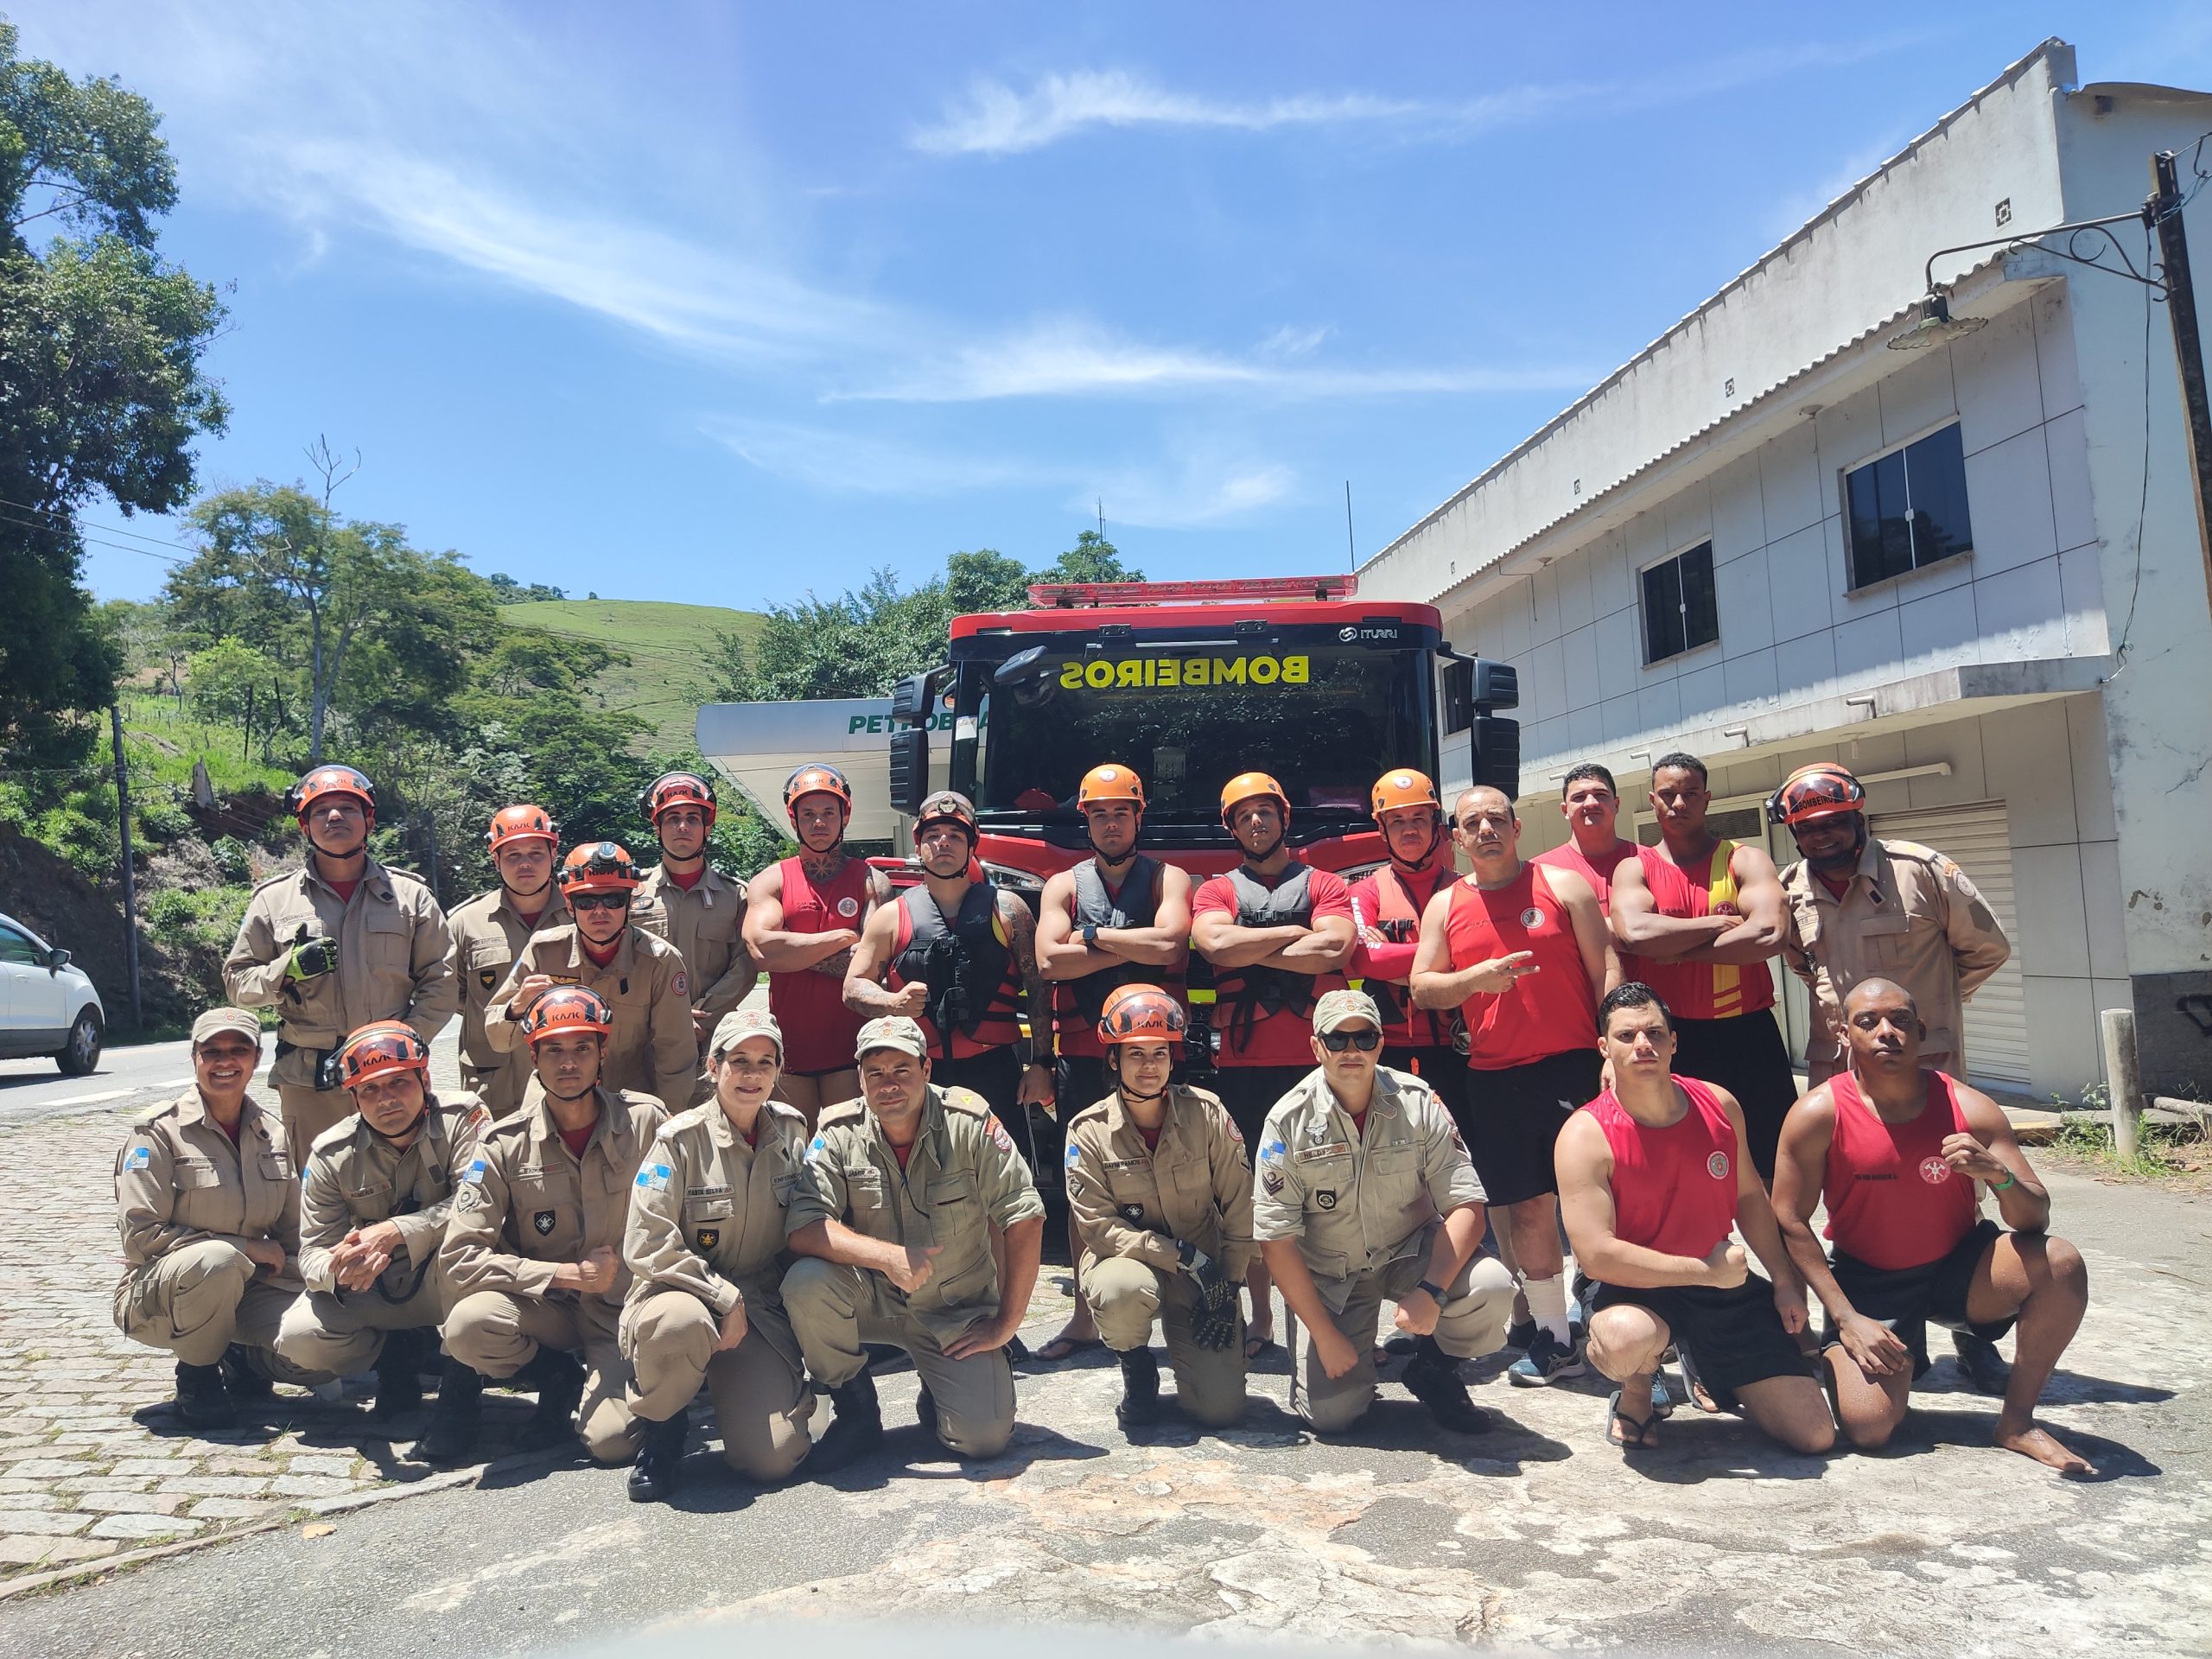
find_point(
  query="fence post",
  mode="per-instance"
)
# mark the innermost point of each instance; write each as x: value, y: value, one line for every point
x: 2123, y: 1078
x: 130, y: 879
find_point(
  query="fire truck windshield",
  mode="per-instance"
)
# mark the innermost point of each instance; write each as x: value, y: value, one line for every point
x: 1324, y: 718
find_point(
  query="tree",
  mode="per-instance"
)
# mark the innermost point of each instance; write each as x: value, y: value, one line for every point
x: 234, y: 684
x: 100, y: 384
x: 1093, y: 558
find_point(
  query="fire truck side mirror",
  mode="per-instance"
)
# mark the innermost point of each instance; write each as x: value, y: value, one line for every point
x: 1496, y: 740
x: 909, y: 768
x: 910, y: 698
x: 1498, y: 685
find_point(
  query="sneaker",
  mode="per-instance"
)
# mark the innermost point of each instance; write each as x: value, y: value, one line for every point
x: 1521, y: 1334
x: 1547, y: 1360
x: 1984, y: 1366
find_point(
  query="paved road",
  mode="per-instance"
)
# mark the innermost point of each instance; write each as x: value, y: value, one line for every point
x: 1533, y: 1535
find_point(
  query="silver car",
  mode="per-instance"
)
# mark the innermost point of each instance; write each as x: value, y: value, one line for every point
x: 47, y: 1007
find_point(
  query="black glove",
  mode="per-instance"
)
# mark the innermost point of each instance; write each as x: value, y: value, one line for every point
x: 312, y: 958
x: 1215, y: 1326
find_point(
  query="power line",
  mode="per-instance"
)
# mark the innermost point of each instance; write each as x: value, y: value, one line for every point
x: 79, y: 522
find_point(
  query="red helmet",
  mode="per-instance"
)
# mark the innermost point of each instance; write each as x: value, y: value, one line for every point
x: 566, y: 1007
x: 598, y: 867
x: 946, y: 806
x: 331, y: 780
x: 1141, y: 1014
x: 1821, y: 790
x: 677, y: 789
x: 387, y: 1046
x: 815, y: 778
x: 513, y: 823
x: 1110, y: 783
x: 1244, y: 786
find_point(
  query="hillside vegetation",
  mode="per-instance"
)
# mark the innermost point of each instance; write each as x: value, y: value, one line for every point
x: 671, y: 648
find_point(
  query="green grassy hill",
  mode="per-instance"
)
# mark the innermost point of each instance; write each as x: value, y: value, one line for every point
x: 666, y: 643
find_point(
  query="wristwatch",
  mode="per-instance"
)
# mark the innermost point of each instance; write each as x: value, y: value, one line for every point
x: 1091, y: 935
x: 1435, y: 1291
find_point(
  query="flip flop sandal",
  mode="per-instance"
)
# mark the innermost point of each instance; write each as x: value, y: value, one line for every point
x: 1060, y: 1348
x: 1700, y: 1396
x: 1258, y: 1347
x: 1638, y: 1426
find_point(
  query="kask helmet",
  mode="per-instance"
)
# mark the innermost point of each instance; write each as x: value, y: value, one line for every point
x: 1141, y: 1014
x: 678, y: 789
x: 325, y: 781
x: 386, y: 1045
x: 815, y: 778
x: 513, y: 823
x: 598, y: 867
x: 1394, y: 791
x: 1821, y: 790
x: 1247, y: 785
x: 1110, y: 783
x: 566, y: 1007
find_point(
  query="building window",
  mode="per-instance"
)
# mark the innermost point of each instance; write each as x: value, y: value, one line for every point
x: 1679, y: 612
x: 1908, y: 509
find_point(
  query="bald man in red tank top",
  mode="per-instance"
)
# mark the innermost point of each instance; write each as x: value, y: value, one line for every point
x: 1655, y: 1176
x: 1523, y: 954
x: 1894, y: 1148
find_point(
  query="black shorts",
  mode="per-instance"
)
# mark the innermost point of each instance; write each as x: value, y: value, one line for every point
x: 1515, y: 1115
x: 1250, y: 1093
x: 1444, y: 1069
x: 1079, y: 1080
x: 1735, y: 1334
x: 1747, y: 1056
x: 1906, y: 1298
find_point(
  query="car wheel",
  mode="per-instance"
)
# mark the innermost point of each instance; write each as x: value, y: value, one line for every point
x: 83, y: 1052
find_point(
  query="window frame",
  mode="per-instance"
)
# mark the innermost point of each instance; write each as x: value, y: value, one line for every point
x: 1643, y: 610
x: 1852, y: 587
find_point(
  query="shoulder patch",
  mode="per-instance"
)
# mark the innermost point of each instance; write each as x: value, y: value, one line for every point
x: 655, y: 1178
x: 140, y: 1157
x: 845, y: 1111
x: 966, y: 1100
x: 999, y: 1138
x: 680, y: 983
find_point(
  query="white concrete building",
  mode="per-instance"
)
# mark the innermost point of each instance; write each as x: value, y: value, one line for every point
x: 2014, y: 656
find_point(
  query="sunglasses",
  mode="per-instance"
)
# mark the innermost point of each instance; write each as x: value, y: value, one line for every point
x: 1337, y: 1041
x: 599, y: 901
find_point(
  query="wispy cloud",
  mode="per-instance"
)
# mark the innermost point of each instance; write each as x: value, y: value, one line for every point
x: 992, y: 118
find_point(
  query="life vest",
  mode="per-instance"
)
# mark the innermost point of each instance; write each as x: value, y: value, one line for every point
x: 1400, y: 924
x: 968, y: 966
x: 1249, y: 993
x: 1077, y: 1003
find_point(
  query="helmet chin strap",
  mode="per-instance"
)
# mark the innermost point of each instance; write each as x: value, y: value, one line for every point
x: 1123, y: 1086
x: 1427, y: 858
x: 413, y: 1123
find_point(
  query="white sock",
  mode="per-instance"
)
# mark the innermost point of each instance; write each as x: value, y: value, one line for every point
x: 1548, y: 1305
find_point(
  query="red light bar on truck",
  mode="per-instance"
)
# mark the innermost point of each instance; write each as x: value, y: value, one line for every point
x: 1069, y: 595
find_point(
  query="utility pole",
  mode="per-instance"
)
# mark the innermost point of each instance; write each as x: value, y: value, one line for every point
x: 130, y: 881
x: 1351, y: 549
x: 2189, y: 343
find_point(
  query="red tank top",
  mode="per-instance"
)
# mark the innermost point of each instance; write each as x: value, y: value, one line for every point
x: 1892, y: 1201
x: 1597, y: 872
x: 1697, y: 990
x: 1551, y: 1012
x: 819, y: 1030
x: 1674, y: 1189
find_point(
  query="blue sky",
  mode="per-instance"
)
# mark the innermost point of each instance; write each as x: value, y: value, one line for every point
x: 725, y: 304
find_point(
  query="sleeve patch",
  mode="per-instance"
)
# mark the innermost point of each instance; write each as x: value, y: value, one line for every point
x: 475, y: 1175
x: 143, y: 1156
x: 1274, y: 1151
x: 1075, y: 1154
x: 682, y: 983
x: 654, y: 1178
x: 999, y: 1137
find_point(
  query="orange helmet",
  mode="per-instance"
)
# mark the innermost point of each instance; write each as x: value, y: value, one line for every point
x: 817, y: 780
x: 1110, y: 783
x: 678, y: 789
x: 946, y: 806
x: 598, y: 867
x: 566, y: 1007
x: 386, y: 1045
x: 1247, y: 784
x: 513, y: 823
x: 1141, y: 1014
x: 1394, y: 791
x: 1821, y: 790
x: 331, y: 780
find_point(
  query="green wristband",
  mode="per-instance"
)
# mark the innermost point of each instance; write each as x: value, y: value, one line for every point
x: 1998, y: 1187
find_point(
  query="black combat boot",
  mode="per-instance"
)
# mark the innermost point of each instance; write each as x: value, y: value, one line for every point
x: 451, y: 1437
x: 1432, y: 1377
x: 245, y: 1381
x: 660, y: 1456
x: 857, y: 1431
x: 202, y: 1399
x: 399, y: 1380
x: 559, y: 1380
x: 1139, y: 1404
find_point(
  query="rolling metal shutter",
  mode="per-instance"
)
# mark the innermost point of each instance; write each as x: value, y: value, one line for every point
x: 1976, y: 839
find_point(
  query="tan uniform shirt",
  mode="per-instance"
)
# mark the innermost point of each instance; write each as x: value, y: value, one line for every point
x: 179, y: 1180
x: 394, y: 963
x: 703, y: 925
x: 356, y: 1178
x: 652, y: 1048
x: 486, y: 936
x: 707, y: 1215
x: 1357, y: 1202
x: 1909, y: 915
x: 1134, y: 1200
x: 525, y: 1205
x: 963, y: 1178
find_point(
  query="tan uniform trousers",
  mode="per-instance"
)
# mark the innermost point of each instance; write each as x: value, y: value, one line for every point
x: 342, y: 1331
x: 1477, y: 1308
x: 197, y: 1300
x: 308, y: 1112
x: 761, y: 1400
x: 834, y: 1311
x: 1126, y: 1295
x: 497, y: 1333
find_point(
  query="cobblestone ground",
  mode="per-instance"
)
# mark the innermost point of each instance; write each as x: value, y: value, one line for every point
x: 93, y: 1460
